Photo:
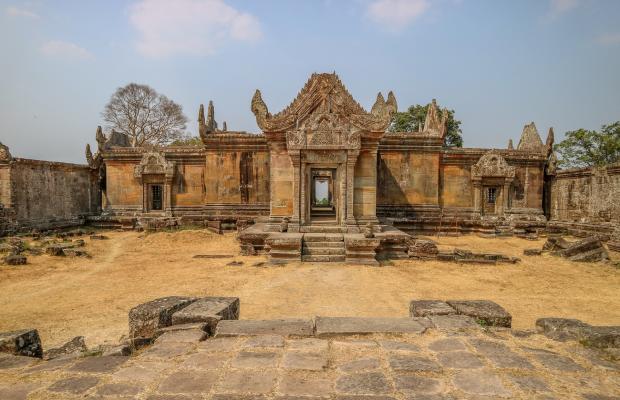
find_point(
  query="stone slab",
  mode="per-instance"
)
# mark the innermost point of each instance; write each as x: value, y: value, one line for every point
x: 424, y: 308
x: 368, y: 383
x: 145, y: 319
x: 24, y: 342
x: 332, y: 326
x: 209, y: 310
x: 453, y: 322
x: 283, y: 327
x: 485, y: 312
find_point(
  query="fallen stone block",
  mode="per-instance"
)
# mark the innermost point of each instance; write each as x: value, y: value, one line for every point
x: 532, y: 252
x: 453, y: 322
x: 55, y: 250
x: 25, y: 342
x: 98, y: 237
x: 15, y: 259
x: 602, y: 337
x: 206, y: 309
x: 208, y: 256
x: 76, y: 253
x: 335, y: 326
x: 425, y: 308
x: 73, y: 348
x: 147, y: 318
x: 283, y: 327
x: 485, y: 312
x: 423, y: 248
x: 185, y: 333
x: 587, y: 250
x: 563, y: 329
x: 554, y: 243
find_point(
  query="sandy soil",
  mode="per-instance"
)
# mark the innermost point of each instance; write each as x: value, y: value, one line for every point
x: 66, y: 297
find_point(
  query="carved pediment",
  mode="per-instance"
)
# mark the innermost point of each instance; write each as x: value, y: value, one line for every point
x: 324, y: 94
x: 154, y: 163
x: 492, y: 165
x: 324, y: 130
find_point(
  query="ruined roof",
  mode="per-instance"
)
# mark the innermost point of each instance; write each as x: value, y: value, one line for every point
x: 530, y: 139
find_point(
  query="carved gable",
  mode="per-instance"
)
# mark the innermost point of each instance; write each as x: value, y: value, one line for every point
x: 492, y: 165
x: 154, y: 163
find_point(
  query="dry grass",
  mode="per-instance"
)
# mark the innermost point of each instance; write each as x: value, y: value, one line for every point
x: 65, y: 297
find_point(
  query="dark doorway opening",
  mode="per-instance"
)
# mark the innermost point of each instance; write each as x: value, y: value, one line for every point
x: 157, y: 198
x: 322, y: 207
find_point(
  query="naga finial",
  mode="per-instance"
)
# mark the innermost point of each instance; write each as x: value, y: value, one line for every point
x: 100, y: 138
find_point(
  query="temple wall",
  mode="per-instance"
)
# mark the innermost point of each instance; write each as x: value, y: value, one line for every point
x: 282, y: 175
x: 457, y: 188
x: 43, y: 195
x: 586, y: 195
x: 188, y: 188
x: 407, y: 178
x: 365, y: 185
x: 123, y: 190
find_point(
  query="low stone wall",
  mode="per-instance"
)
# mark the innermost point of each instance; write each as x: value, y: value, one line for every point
x: 46, y: 195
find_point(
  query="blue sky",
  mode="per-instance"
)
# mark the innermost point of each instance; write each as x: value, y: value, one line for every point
x: 498, y: 64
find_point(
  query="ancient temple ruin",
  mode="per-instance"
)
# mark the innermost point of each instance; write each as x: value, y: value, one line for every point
x: 322, y: 166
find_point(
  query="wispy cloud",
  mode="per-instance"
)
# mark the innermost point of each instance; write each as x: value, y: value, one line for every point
x: 196, y: 27
x: 609, y: 39
x: 562, y: 6
x: 20, y: 12
x: 58, y: 48
x: 395, y: 15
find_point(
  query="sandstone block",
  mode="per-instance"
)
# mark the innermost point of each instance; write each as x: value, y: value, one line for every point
x: 74, y: 348
x: 424, y: 308
x: 284, y: 327
x: 453, y: 322
x: 147, y: 318
x: 484, y: 312
x: 15, y: 259
x: 532, y: 252
x: 423, y: 248
x: 25, y: 342
x: 209, y: 310
x: 328, y: 326
x: 561, y: 329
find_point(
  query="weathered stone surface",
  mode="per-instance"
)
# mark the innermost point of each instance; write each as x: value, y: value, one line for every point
x: 25, y: 342
x: 301, y: 360
x: 425, y: 308
x: 293, y: 385
x: 362, y: 364
x: 247, y: 382
x: 453, y: 322
x: 480, y: 382
x: 119, y: 390
x: 555, y: 361
x: 532, y: 252
x: 218, y: 344
x: 11, y: 361
x: 449, y: 344
x: 182, y: 336
x: 256, y: 359
x: 74, y: 385
x: 368, y: 383
x: 401, y: 362
x: 418, y: 385
x: 283, y: 327
x: 166, y: 350
x: 459, y: 360
x: 268, y: 341
x: 328, y: 326
x: 308, y: 344
x: 17, y: 391
x: 556, y: 243
x: 602, y: 337
x: 209, y: 310
x: 99, y: 365
x: 15, y: 259
x: 206, y: 360
x: 423, y: 248
x: 147, y: 318
x: 529, y: 383
x: 141, y: 372
x: 586, y: 250
x: 485, y: 312
x: 499, y: 354
x: 561, y: 329
x: 393, y: 345
x: 189, y: 382
x: 74, y: 347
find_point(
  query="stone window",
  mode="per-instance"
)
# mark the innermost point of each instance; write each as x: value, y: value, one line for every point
x: 157, y: 197
x: 491, y: 195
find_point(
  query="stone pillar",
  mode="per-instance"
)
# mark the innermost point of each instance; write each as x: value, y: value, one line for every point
x: 505, y: 196
x: 477, y: 197
x: 293, y: 225
x: 350, y: 218
x: 303, y: 195
x: 168, y: 197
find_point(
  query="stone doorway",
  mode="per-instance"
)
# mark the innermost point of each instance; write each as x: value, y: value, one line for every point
x: 491, y: 199
x: 156, y: 197
x: 323, y: 203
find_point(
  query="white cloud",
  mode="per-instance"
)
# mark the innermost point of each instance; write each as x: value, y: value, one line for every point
x: 562, y: 6
x: 609, y: 39
x: 58, y: 48
x: 395, y: 15
x: 195, y: 27
x: 20, y: 12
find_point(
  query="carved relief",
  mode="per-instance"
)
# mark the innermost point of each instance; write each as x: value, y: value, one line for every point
x: 154, y: 164
x: 324, y: 157
x: 492, y: 165
x: 5, y: 154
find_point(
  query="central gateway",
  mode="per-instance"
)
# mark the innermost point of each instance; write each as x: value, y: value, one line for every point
x: 324, y: 135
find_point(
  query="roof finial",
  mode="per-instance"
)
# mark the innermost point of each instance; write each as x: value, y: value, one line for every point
x: 224, y: 127
x: 100, y: 137
x: 201, y: 114
x: 530, y: 139
x: 510, y: 145
x: 211, y: 124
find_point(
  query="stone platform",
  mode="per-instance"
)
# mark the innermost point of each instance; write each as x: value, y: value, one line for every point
x: 393, y: 359
x: 324, y: 244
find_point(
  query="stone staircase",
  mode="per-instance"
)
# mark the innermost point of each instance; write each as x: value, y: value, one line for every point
x: 322, y: 247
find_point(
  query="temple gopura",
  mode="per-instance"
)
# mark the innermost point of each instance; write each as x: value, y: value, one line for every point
x: 325, y: 169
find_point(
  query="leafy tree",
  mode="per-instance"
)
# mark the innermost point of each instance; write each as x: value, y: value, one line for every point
x: 187, y: 141
x: 410, y: 120
x: 144, y: 115
x: 584, y: 148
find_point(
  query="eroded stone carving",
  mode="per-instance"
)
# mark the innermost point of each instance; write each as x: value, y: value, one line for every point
x: 154, y: 163
x: 436, y: 122
x: 5, y: 154
x: 492, y: 165
x: 530, y: 139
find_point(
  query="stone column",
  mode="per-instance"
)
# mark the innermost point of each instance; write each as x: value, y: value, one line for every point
x: 168, y: 197
x: 350, y: 219
x: 477, y: 197
x: 293, y: 225
x: 505, y: 196
x: 303, y: 195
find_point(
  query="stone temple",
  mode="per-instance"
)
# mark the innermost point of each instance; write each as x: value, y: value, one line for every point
x: 323, y: 181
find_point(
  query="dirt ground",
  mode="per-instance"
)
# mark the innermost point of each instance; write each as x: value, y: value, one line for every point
x: 67, y: 297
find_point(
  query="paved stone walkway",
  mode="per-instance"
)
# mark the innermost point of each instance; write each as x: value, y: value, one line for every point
x: 476, y: 364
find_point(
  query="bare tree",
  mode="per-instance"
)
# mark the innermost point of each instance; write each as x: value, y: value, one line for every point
x: 144, y: 115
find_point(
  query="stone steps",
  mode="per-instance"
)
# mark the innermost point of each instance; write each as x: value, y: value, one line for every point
x: 323, y: 258
x: 322, y: 229
x: 314, y: 245
x: 323, y: 237
x: 323, y: 248
x: 324, y: 251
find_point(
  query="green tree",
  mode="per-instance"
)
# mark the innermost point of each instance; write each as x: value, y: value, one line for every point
x: 585, y: 148
x: 410, y: 120
x: 187, y: 141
